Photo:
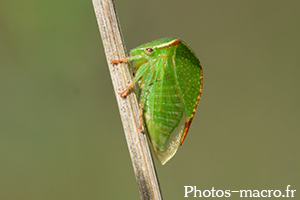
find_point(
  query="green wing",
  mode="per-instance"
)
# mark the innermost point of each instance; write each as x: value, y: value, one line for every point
x: 164, y: 111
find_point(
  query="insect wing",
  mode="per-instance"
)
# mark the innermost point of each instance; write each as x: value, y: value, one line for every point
x: 164, y: 112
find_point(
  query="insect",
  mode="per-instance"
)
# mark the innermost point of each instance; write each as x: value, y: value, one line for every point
x: 170, y: 77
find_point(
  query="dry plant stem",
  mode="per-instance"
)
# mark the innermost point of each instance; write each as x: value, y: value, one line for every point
x: 129, y: 110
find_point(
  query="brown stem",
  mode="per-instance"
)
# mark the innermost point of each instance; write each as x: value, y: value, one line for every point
x: 129, y: 110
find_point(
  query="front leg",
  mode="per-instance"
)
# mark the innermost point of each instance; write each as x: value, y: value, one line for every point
x: 140, y: 72
x: 126, y: 90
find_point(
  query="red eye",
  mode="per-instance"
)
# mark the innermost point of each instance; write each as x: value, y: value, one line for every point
x: 149, y: 50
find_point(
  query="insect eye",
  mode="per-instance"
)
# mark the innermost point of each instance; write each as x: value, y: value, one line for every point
x: 149, y: 50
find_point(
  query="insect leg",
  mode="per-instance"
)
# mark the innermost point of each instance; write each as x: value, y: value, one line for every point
x: 141, y: 116
x: 140, y: 73
x: 125, y: 91
x: 118, y: 61
x: 124, y: 59
x: 147, y: 78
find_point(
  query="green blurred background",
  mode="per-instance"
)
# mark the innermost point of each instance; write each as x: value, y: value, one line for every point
x: 60, y: 132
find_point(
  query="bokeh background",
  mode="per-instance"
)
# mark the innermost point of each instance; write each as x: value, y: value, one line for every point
x: 60, y: 132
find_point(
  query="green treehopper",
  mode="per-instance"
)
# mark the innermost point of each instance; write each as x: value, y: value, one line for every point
x: 170, y: 77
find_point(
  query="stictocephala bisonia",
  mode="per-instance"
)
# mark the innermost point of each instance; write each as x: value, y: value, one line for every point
x: 170, y: 77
